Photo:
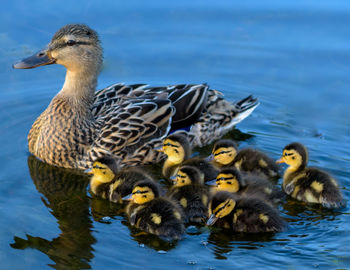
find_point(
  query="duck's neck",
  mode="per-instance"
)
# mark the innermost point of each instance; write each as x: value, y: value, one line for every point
x: 79, y: 88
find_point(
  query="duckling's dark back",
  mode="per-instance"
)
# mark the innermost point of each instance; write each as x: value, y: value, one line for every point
x: 318, y: 185
x: 159, y: 216
x: 205, y: 167
x: 252, y: 160
x: 194, y: 201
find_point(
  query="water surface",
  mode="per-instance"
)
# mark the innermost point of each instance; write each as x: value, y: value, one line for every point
x: 293, y: 55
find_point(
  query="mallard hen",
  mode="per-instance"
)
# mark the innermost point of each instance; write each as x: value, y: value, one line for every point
x: 125, y: 121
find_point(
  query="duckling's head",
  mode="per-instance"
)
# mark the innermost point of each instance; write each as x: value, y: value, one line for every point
x: 103, y: 170
x: 295, y: 155
x: 224, y: 151
x: 221, y: 205
x: 75, y: 46
x: 188, y: 175
x: 177, y: 148
x: 230, y: 180
x: 144, y: 191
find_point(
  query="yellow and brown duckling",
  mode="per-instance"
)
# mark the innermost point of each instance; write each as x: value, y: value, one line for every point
x: 243, y: 214
x: 226, y: 154
x: 189, y: 190
x: 178, y: 150
x: 308, y: 184
x: 251, y: 185
x: 110, y: 183
x: 151, y: 213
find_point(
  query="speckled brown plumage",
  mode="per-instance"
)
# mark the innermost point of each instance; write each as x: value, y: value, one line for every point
x: 127, y: 121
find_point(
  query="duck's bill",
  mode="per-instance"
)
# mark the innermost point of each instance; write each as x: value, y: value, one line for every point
x: 127, y: 198
x: 212, y: 219
x: 211, y: 182
x: 38, y: 59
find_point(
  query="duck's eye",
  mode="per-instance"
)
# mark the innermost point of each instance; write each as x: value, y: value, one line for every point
x: 71, y: 42
x: 183, y: 181
x: 293, y: 157
x: 229, y: 182
x: 144, y: 196
x: 176, y: 151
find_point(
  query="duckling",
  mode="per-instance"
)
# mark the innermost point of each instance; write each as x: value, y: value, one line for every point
x: 250, y: 185
x: 81, y: 125
x: 111, y: 183
x: 178, y: 150
x: 189, y: 190
x: 157, y: 215
x: 226, y: 155
x: 243, y: 214
x: 308, y: 184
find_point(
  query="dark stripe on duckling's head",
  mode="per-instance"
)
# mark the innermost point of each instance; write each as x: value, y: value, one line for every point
x: 111, y: 162
x: 193, y: 174
x: 299, y: 148
x: 150, y: 184
x: 224, y: 144
x: 230, y: 179
x: 222, y: 204
x: 180, y: 139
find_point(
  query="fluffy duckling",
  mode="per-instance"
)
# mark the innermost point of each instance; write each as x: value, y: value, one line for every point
x: 308, y: 184
x: 149, y: 212
x: 243, y: 214
x: 189, y: 190
x: 226, y: 154
x: 178, y: 150
x: 110, y: 183
x: 233, y: 181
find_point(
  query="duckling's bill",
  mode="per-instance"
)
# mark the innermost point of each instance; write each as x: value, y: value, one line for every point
x: 212, y: 219
x: 211, y: 183
x: 128, y: 197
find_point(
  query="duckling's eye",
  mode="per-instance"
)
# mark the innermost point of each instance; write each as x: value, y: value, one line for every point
x: 144, y: 196
x: 229, y: 182
x: 71, y: 42
x: 293, y: 157
x: 176, y: 151
x: 183, y: 181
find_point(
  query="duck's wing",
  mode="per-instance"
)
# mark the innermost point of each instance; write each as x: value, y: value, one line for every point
x: 219, y: 116
x: 135, y: 123
x: 189, y: 100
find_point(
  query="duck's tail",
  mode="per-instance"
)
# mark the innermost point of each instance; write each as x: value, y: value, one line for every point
x: 219, y: 117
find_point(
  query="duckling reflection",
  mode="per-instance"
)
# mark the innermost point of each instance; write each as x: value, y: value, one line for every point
x: 65, y: 195
x: 223, y: 241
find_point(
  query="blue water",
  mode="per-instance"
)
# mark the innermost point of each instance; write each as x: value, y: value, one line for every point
x: 293, y: 55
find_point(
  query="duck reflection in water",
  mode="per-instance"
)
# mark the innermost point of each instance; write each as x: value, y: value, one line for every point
x: 65, y: 195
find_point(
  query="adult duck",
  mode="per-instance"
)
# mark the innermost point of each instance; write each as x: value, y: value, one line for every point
x: 126, y: 121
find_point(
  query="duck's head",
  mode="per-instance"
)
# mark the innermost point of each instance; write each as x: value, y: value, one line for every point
x: 295, y: 155
x: 221, y: 205
x: 144, y: 191
x: 188, y: 175
x: 224, y: 151
x: 103, y: 170
x: 229, y: 180
x: 75, y: 46
x: 177, y: 148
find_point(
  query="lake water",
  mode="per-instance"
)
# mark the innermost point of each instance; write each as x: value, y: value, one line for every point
x: 293, y: 55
